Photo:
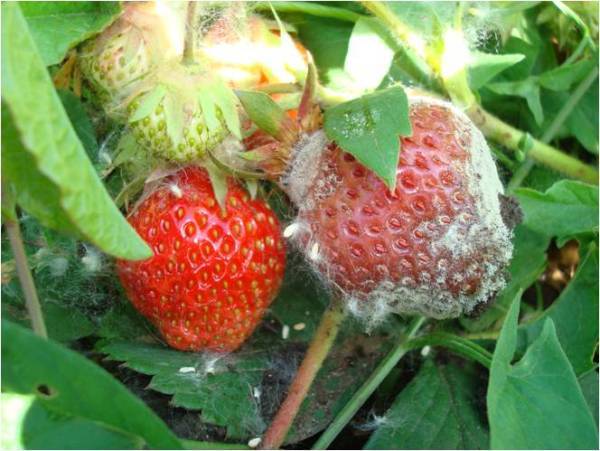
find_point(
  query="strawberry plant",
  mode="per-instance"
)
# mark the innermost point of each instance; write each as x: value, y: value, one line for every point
x: 363, y: 225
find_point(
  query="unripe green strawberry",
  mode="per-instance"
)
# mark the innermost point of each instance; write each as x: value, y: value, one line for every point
x: 182, y: 112
x: 124, y: 53
x: 151, y: 132
x: 214, y: 271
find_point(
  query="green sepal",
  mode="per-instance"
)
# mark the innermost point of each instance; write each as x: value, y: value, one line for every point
x: 148, y: 103
x: 308, y: 96
x: 209, y: 111
x: 265, y: 113
x: 174, y: 118
x: 218, y: 180
x: 227, y: 103
x: 252, y: 187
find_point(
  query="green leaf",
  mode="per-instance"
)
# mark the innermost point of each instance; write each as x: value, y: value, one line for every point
x: 123, y: 322
x: 589, y: 386
x: 536, y: 403
x: 436, y: 410
x: 70, y: 384
x: 55, y: 180
x: 74, y: 281
x: 522, y: 69
x: 567, y: 208
x: 369, y: 54
x: 485, y: 66
x: 541, y: 178
x: 222, y: 387
x: 583, y: 120
x: 425, y: 19
x: 58, y: 26
x: 27, y: 424
x: 575, y: 315
x: 370, y: 128
x: 326, y: 39
x: 264, y: 112
x: 563, y: 77
x: 66, y: 324
x: 34, y: 192
x: 63, y: 323
x: 528, y: 89
x: 81, y: 122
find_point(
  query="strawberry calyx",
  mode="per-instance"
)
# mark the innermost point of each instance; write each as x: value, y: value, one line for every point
x: 272, y: 150
x: 181, y: 112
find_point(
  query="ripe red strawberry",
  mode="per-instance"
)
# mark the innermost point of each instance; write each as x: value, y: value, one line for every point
x: 214, y: 272
x: 436, y: 245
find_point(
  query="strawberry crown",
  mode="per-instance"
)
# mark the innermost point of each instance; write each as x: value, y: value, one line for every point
x: 184, y: 92
x: 274, y: 153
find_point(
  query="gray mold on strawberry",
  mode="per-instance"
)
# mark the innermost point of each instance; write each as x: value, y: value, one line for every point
x: 436, y: 246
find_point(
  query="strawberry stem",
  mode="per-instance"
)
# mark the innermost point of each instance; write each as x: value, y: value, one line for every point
x: 523, y: 171
x: 313, y: 360
x: 511, y: 137
x: 311, y: 8
x: 491, y: 126
x: 370, y: 385
x: 32, y: 302
x: 195, y: 444
x: 188, y: 44
x: 279, y: 88
x: 455, y: 343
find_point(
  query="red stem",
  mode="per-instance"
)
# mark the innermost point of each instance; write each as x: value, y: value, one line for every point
x: 313, y: 360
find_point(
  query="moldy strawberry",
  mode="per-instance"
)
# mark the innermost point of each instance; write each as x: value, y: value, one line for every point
x: 436, y: 245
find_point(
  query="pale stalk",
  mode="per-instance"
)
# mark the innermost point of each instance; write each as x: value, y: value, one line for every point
x: 32, y: 302
x: 491, y: 126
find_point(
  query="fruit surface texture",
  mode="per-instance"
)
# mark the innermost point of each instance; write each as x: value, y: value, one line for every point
x: 436, y: 245
x: 214, y: 271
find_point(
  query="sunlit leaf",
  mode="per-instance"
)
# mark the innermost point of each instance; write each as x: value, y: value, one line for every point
x: 370, y: 128
x: 536, y: 403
